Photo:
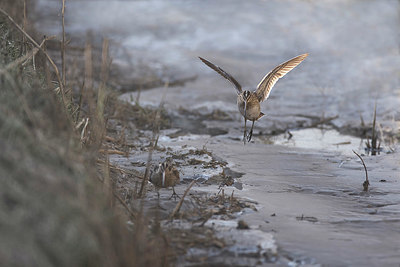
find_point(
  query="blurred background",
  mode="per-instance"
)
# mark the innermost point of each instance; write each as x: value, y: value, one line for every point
x: 353, y: 46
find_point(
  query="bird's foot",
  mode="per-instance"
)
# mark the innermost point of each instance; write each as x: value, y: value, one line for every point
x: 174, y: 195
x: 158, y: 206
x: 249, y: 136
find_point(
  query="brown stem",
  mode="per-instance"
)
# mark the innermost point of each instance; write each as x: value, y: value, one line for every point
x: 154, y: 140
x: 366, y: 182
x: 63, y: 43
x: 178, y: 206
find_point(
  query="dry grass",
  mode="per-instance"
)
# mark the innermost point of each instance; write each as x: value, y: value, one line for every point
x: 375, y: 144
x: 62, y: 202
x: 57, y: 207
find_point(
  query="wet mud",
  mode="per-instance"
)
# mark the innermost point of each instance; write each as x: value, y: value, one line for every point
x: 298, y: 185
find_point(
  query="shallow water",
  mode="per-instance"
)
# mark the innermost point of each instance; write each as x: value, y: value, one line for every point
x: 328, y: 140
x: 308, y: 187
x: 312, y: 201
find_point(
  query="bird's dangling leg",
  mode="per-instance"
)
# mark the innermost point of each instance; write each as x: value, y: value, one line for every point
x: 174, y: 194
x: 251, y: 132
x: 158, y: 201
x: 245, y: 131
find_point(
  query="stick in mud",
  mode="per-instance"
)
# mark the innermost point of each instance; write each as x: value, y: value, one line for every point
x: 366, y: 182
x: 153, y: 143
x: 63, y: 43
x: 115, y: 194
x: 178, y: 206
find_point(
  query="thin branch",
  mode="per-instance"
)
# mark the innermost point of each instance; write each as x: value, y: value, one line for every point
x: 121, y: 169
x: 374, y: 135
x: 24, y: 27
x: 154, y: 140
x: 178, y: 206
x: 366, y: 182
x: 112, y: 151
x: 121, y: 201
x: 63, y: 43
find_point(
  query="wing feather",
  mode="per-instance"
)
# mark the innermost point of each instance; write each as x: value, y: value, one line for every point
x: 223, y: 74
x: 269, y: 80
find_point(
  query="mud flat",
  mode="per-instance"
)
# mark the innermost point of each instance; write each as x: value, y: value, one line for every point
x: 308, y: 204
x: 308, y: 195
x: 313, y: 203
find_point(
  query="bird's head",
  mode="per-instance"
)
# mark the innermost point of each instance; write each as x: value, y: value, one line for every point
x: 246, y: 95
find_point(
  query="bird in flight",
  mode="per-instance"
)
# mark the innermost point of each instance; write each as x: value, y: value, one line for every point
x: 249, y: 102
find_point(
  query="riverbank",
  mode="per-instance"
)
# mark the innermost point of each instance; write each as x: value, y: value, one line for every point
x: 303, y: 200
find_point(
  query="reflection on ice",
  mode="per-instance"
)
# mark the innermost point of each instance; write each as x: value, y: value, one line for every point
x: 313, y: 138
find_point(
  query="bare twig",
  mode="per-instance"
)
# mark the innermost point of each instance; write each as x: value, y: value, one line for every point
x: 115, y: 194
x: 24, y: 27
x: 125, y: 205
x: 107, y: 183
x: 374, y: 146
x: 154, y: 140
x: 100, y: 121
x: 362, y: 120
x: 374, y: 135
x: 147, y: 171
x: 110, y: 139
x: 101, y: 95
x: 63, y: 43
x: 178, y: 206
x: 366, y: 182
x: 87, y: 91
x: 80, y: 101
x: 105, y: 62
x: 120, y: 169
x: 342, y: 143
x: 112, y: 151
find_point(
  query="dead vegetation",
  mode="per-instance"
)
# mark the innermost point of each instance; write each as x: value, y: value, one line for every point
x: 366, y: 182
x: 375, y: 145
x: 55, y: 205
x: 58, y: 131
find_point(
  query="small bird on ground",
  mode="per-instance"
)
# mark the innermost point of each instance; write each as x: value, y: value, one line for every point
x: 165, y: 175
x: 249, y: 102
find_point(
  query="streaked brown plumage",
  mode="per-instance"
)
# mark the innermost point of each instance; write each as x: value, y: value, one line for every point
x: 165, y: 175
x: 249, y: 102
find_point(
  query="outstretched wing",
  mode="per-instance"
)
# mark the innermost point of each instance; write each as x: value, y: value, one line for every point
x: 269, y: 80
x: 223, y: 74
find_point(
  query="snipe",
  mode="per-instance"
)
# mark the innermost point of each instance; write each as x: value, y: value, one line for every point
x: 249, y: 102
x: 165, y: 175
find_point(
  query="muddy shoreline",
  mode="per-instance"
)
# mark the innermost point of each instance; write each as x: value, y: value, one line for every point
x: 298, y: 186
x: 298, y: 193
